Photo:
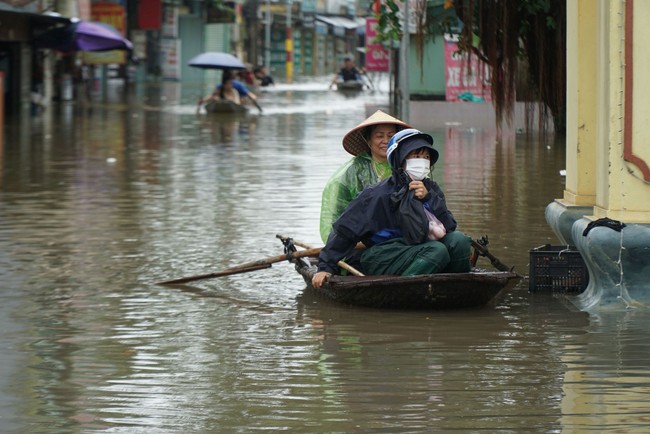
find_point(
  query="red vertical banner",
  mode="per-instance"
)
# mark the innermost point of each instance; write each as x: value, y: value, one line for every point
x: 149, y: 14
x: 376, y: 54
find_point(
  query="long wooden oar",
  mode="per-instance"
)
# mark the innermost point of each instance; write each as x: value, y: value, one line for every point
x: 493, y: 259
x: 244, y: 268
x: 372, y: 85
x: 341, y: 264
x: 257, y: 104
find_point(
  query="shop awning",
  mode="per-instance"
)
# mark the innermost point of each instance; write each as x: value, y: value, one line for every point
x: 342, y: 22
x: 35, y: 20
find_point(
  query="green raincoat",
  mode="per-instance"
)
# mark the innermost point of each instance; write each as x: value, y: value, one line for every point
x: 348, y: 181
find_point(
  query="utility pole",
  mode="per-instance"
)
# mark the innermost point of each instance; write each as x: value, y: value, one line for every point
x: 289, y: 43
x: 405, y: 92
x: 237, y: 34
x: 267, y: 36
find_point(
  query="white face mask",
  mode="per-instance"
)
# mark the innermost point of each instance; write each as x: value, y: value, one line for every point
x: 417, y: 168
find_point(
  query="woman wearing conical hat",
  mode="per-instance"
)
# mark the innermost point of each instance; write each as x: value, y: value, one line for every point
x: 367, y: 142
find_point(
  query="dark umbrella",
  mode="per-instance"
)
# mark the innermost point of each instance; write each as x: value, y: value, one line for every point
x: 216, y: 60
x: 84, y: 36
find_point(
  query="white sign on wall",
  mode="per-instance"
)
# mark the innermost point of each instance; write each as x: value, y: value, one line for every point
x: 169, y: 26
x: 170, y: 56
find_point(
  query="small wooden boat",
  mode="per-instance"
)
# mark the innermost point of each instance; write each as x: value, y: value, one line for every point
x: 349, y: 86
x: 430, y: 291
x: 224, y: 106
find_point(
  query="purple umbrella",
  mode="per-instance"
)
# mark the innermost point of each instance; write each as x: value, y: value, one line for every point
x: 84, y: 36
x: 98, y: 36
x: 216, y: 60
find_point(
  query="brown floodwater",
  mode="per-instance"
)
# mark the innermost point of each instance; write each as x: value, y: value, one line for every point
x: 100, y: 201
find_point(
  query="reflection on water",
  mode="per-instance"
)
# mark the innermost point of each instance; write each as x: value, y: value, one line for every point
x: 98, y: 202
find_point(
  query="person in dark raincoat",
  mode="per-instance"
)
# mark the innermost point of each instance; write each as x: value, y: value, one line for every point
x: 403, y: 221
x: 368, y: 142
x: 228, y: 77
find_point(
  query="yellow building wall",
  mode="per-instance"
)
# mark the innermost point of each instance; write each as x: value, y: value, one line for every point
x: 635, y: 190
x: 597, y: 122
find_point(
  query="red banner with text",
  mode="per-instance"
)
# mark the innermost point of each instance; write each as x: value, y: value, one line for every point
x: 376, y: 54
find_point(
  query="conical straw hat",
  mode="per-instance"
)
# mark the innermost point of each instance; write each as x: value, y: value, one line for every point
x: 355, y: 143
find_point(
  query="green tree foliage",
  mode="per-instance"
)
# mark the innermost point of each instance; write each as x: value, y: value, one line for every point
x: 512, y: 33
x: 519, y: 40
x: 430, y: 18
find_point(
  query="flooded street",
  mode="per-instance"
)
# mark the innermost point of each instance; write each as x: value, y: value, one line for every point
x: 100, y: 201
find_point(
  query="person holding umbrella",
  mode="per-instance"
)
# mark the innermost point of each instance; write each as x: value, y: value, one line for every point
x: 226, y: 62
x: 228, y: 79
x: 239, y: 87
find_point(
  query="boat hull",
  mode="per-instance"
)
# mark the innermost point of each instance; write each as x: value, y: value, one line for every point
x: 431, y: 291
x: 349, y: 86
x: 221, y: 106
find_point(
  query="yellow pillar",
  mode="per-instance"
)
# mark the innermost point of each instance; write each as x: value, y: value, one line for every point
x: 608, y: 114
x: 582, y: 121
x: 581, y: 117
x: 289, y: 43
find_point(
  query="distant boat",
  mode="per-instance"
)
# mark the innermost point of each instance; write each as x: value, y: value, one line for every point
x: 224, y: 106
x: 349, y: 86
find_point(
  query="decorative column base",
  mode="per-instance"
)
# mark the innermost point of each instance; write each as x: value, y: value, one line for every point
x: 618, y: 262
x: 561, y: 218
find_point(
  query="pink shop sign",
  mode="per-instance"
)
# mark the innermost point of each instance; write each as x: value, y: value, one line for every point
x: 466, y: 78
x: 376, y: 54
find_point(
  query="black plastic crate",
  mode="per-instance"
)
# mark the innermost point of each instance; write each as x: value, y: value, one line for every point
x: 557, y: 269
